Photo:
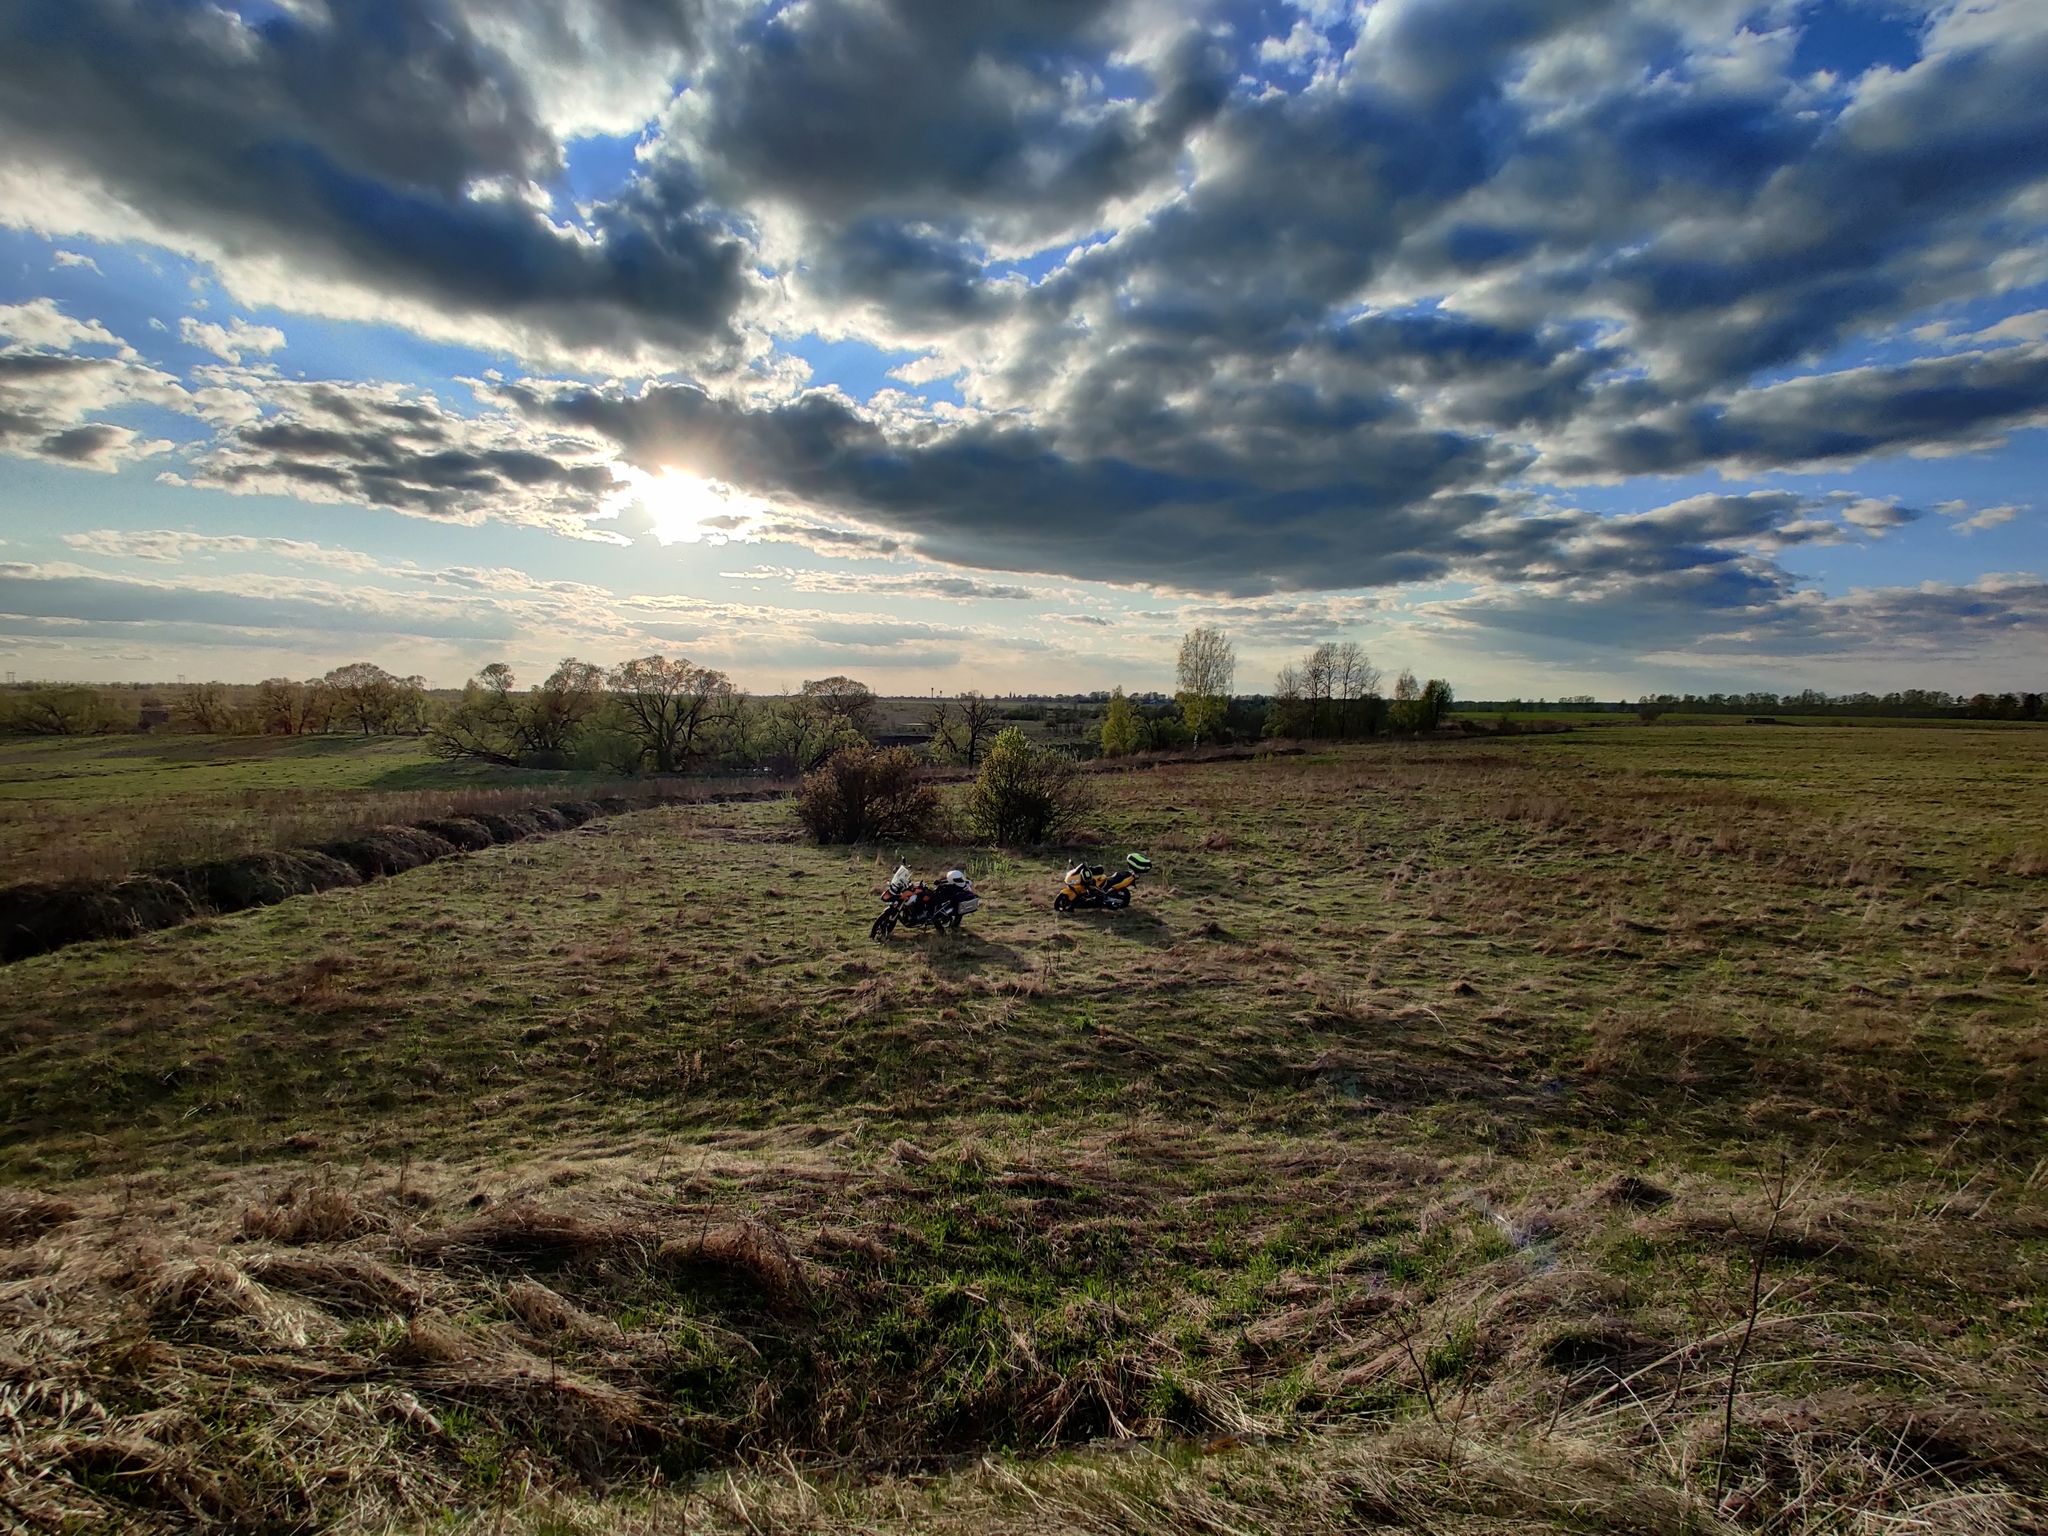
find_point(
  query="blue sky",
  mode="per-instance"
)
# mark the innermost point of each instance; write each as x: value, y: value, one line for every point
x: 1606, y: 347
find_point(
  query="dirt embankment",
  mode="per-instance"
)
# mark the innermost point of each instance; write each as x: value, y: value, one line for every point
x: 40, y: 916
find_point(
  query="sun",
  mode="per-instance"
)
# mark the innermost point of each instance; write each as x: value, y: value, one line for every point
x: 683, y: 508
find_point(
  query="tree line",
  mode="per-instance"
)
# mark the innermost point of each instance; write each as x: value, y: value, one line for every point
x: 358, y: 699
x: 1331, y: 693
x: 671, y: 715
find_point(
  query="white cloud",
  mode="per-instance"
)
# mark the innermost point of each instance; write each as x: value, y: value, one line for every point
x: 229, y: 342
x: 938, y: 583
x: 40, y: 323
x: 1987, y: 517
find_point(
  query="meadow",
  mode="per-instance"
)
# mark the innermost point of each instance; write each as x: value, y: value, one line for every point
x: 100, y: 807
x: 1632, y: 1129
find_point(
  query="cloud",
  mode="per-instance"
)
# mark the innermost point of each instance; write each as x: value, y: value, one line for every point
x: 1987, y: 517
x: 386, y: 446
x: 1238, y: 301
x: 1754, y: 612
x: 923, y: 584
x: 50, y: 395
x: 76, y: 594
x: 73, y: 259
x: 1935, y: 405
x: 228, y: 343
x: 362, y: 159
x: 174, y: 546
x: 41, y: 324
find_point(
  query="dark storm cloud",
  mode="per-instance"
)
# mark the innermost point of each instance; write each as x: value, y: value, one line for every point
x: 935, y: 110
x: 350, y: 142
x: 1944, y: 402
x: 1206, y: 400
x: 998, y: 494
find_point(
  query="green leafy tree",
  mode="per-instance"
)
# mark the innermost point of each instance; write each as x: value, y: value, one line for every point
x: 1024, y: 794
x: 550, y: 717
x: 1121, y: 727
x: 1205, y: 671
x: 56, y: 712
x: 799, y: 733
x: 1419, y: 707
x: 484, y: 725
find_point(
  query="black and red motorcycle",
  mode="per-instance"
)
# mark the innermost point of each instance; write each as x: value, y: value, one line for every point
x: 911, y: 903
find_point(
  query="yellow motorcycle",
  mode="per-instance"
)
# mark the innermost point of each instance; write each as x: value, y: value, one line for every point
x: 1089, y: 885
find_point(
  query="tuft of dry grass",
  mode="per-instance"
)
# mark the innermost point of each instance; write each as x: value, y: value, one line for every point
x: 299, y: 1214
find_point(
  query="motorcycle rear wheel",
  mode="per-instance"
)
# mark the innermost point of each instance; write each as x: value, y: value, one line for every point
x: 1117, y: 900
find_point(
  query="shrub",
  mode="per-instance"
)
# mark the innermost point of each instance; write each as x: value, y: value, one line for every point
x: 1119, y: 726
x: 863, y: 794
x: 1024, y: 794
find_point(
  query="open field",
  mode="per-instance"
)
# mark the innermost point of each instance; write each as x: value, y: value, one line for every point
x: 100, y: 807
x: 1444, y: 1132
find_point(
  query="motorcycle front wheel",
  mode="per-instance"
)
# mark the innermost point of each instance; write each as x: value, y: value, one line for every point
x: 1063, y: 902
x: 883, y: 927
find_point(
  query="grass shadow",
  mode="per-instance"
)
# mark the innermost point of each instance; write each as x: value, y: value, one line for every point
x: 1134, y: 925
x: 965, y: 953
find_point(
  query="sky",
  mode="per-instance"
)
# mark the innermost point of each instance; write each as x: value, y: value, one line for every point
x: 1549, y: 346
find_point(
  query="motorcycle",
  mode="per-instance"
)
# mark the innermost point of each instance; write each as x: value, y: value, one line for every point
x: 1088, y: 885
x: 910, y: 903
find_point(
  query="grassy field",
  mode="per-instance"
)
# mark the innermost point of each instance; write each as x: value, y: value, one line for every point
x: 98, y: 807
x: 1638, y: 1129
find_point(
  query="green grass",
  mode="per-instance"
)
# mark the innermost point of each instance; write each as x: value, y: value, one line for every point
x: 1319, y: 1142
x: 100, y: 806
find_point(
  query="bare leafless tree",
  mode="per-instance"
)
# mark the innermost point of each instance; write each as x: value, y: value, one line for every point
x: 980, y: 719
x: 671, y: 706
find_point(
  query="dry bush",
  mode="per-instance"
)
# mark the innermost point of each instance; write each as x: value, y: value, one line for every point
x: 865, y: 794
